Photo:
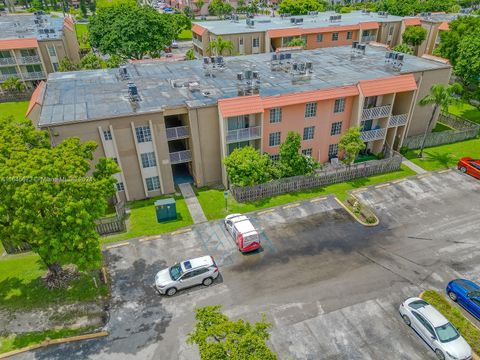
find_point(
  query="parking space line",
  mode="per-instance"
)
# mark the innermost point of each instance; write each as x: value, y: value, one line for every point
x: 319, y: 199
x: 265, y: 211
x: 355, y: 191
x: 116, y: 245
x: 291, y: 206
x: 183, y: 231
x: 382, y: 186
x: 444, y: 171
x: 424, y: 175
x: 149, y: 238
x: 398, y: 181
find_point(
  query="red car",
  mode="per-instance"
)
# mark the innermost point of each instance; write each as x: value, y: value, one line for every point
x: 469, y: 166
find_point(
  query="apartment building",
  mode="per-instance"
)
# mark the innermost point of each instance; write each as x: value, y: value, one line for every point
x: 327, y: 29
x: 32, y: 45
x: 182, y: 4
x: 167, y: 123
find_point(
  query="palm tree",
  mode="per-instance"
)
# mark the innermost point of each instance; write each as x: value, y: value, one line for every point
x: 13, y: 84
x: 199, y: 4
x: 441, y: 96
x: 218, y: 46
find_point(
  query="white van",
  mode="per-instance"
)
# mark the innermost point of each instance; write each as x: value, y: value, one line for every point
x: 242, y: 230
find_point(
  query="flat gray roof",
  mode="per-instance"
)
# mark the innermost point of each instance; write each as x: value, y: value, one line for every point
x: 102, y: 94
x: 264, y: 23
x: 24, y: 26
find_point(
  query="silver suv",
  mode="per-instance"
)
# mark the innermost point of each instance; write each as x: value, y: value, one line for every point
x: 185, y: 274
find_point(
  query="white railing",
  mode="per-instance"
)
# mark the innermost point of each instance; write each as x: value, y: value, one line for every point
x: 34, y: 75
x: 7, y: 61
x: 372, y: 135
x: 32, y: 59
x: 197, y: 42
x: 376, y: 112
x: 244, y: 134
x: 369, y: 38
x: 179, y: 132
x: 5, y: 77
x: 180, y: 157
x: 398, y: 120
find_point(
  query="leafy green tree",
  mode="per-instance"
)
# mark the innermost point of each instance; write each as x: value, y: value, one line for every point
x: 13, y: 84
x: 413, y: 7
x: 220, y: 338
x: 467, y: 66
x: 441, y: 97
x: 181, y: 21
x: 47, y: 197
x: 219, y: 46
x: 188, y: 12
x: 219, y: 8
x: 345, y: 10
x: 66, y: 65
x: 114, y: 61
x: 83, y: 8
x: 246, y: 166
x: 190, y: 55
x: 298, y: 41
x: 131, y: 31
x: 300, y: 7
x: 92, y: 6
x: 92, y: 62
x: 403, y: 48
x: 414, y: 35
x: 351, y: 143
x: 199, y: 4
x: 292, y: 162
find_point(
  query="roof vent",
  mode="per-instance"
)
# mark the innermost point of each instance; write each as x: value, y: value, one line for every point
x: 250, y: 23
x: 394, y: 59
x: 313, y: 13
x: 358, y: 49
x: 123, y: 72
x: 335, y: 18
x: 133, y: 92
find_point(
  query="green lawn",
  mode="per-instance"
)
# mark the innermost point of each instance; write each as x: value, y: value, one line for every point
x: 439, y: 127
x: 82, y: 35
x: 445, y: 156
x: 21, y: 285
x: 143, y: 221
x: 466, y: 111
x: 16, y: 109
x: 185, y: 35
x: 213, y: 203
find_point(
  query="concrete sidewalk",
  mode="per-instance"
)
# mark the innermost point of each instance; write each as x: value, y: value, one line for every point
x: 193, y: 205
x: 413, y: 166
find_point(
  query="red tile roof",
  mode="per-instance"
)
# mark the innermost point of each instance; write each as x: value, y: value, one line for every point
x: 444, y: 26
x: 197, y: 29
x: 389, y: 85
x: 68, y: 24
x: 11, y: 44
x: 412, y: 21
x: 327, y: 29
x: 37, y: 97
x: 369, y: 25
x: 276, y: 33
x: 242, y: 105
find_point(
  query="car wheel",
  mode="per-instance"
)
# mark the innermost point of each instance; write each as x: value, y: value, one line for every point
x: 406, y: 320
x: 207, y: 282
x: 452, y: 295
x: 440, y: 355
x: 463, y: 169
x: 171, y: 291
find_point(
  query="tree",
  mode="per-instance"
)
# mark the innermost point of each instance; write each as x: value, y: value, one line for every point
x: 66, y: 65
x: 47, y: 197
x: 219, y: 46
x: 218, y: 337
x: 467, y: 65
x: 181, y: 21
x: 292, y: 162
x: 199, y: 4
x: 403, y: 48
x: 83, y: 8
x: 351, y: 143
x: 413, y: 7
x: 441, y: 96
x: 130, y: 30
x: 219, y: 8
x: 246, y: 166
x: 92, y: 62
x: 114, y: 61
x: 298, y: 41
x: 414, y: 35
x: 188, y: 12
x: 300, y: 7
x: 190, y: 55
x: 13, y: 84
x: 92, y: 6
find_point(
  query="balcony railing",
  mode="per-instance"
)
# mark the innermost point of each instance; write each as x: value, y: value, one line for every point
x: 376, y: 112
x: 7, y: 61
x: 366, y: 39
x: 32, y: 59
x: 197, y: 43
x: 4, y: 77
x: 180, y: 157
x: 179, y: 132
x: 372, y: 135
x: 250, y: 133
x: 398, y: 120
x: 34, y: 75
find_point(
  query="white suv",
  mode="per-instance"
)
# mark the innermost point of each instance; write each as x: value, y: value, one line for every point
x: 185, y: 274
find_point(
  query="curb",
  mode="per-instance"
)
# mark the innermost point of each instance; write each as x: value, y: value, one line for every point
x: 46, y: 343
x: 354, y: 216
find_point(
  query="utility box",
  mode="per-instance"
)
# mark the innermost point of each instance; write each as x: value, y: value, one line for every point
x: 166, y: 209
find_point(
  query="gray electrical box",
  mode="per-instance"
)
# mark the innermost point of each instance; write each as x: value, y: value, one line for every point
x: 166, y: 209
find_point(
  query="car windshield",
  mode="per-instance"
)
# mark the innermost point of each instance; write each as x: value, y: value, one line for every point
x: 447, y: 333
x: 474, y: 294
x: 417, y: 304
x: 175, y: 271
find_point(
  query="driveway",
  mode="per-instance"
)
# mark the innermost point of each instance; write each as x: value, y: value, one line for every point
x: 330, y: 287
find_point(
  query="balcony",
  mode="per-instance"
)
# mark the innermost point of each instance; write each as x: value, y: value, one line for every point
x: 34, y: 75
x: 398, y: 120
x: 179, y: 132
x: 372, y: 135
x: 33, y: 59
x: 7, y: 61
x: 376, y: 112
x: 4, y: 77
x: 250, y: 133
x: 180, y: 157
x: 197, y: 43
x: 367, y: 39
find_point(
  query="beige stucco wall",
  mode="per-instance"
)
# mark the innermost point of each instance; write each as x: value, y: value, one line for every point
x: 247, y: 42
x: 384, y: 31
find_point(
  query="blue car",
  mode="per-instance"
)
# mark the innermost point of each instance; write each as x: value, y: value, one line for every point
x: 467, y: 294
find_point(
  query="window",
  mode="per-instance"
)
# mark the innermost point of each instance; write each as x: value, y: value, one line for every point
x: 275, y: 157
x: 238, y: 122
x: 51, y: 50
x: 55, y: 66
x: 334, y: 36
x: 107, y: 135
x: 339, y: 106
x: 143, y: 134
x: 310, y: 110
x: 240, y: 41
x: 8, y: 70
x: 390, y: 31
x: 336, y: 128
x: 332, y: 150
x: 370, y: 101
x: 307, y: 152
x: 148, y: 160
x: 256, y: 42
x: 365, y: 33
x: 308, y: 132
x: 446, y: 333
x: 34, y: 68
x: 275, y: 115
x: 319, y: 37
x: 349, y: 35
x: 28, y: 52
x: 5, y: 54
x: 120, y: 187
x: 274, y: 139
x: 153, y: 183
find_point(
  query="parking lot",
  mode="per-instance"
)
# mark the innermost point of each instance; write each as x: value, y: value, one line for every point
x: 330, y: 286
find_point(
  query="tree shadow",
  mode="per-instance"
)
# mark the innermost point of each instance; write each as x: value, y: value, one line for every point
x: 444, y: 159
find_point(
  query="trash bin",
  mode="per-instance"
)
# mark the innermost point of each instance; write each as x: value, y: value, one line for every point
x: 166, y: 209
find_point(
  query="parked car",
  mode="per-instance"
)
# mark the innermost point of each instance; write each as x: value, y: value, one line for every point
x: 435, y: 330
x: 467, y: 294
x: 243, y: 232
x: 185, y: 274
x: 174, y: 44
x: 469, y: 166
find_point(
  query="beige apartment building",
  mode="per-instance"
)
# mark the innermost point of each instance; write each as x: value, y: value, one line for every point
x: 168, y: 123
x: 32, y: 45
